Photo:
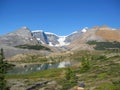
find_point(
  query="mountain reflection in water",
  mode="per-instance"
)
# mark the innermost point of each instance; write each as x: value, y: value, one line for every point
x: 37, y: 67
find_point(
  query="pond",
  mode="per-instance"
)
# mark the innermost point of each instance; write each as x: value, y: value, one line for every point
x: 28, y: 68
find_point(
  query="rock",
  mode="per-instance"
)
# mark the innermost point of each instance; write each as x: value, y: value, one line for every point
x: 77, y: 88
x: 80, y: 88
x: 81, y: 84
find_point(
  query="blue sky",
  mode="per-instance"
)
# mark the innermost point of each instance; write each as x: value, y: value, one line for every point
x: 58, y: 16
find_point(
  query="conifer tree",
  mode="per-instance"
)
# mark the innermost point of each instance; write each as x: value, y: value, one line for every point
x: 2, y: 71
x: 85, y: 64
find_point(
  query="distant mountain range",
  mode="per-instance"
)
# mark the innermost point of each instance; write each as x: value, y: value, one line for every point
x: 78, y: 38
x: 74, y: 41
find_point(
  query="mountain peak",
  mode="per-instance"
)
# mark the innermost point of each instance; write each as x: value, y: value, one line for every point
x: 84, y: 30
x: 19, y: 37
x: 104, y: 27
x: 24, y: 27
x: 23, y: 30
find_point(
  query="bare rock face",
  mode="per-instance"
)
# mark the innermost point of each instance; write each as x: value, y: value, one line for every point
x: 19, y: 37
x: 40, y: 36
x: 52, y: 38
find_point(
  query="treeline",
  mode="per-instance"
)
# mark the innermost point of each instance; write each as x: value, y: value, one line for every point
x: 34, y: 47
x: 105, y: 45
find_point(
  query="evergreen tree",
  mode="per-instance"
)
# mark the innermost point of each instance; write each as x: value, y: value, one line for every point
x: 85, y: 64
x: 70, y: 79
x: 2, y: 71
x: 68, y: 74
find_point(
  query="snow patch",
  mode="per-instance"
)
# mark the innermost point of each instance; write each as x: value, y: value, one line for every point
x: 114, y: 29
x: 84, y: 30
x: 74, y: 32
x: 50, y: 44
x: 40, y: 40
x: 61, y: 41
x: 50, y: 33
x: 31, y: 39
x: 35, y: 31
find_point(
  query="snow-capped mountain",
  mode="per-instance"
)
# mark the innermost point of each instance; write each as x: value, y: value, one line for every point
x: 49, y: 38
x: 54, y: 40
x: 25, y: 36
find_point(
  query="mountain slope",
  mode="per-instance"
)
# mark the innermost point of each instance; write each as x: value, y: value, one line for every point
x: 19, y: 37
x: 108, y: 34
x: 22, y: 36
x: 99, y: 34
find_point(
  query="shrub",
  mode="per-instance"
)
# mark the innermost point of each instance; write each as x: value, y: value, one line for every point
x: 70, y: 79
x: 85, y: 64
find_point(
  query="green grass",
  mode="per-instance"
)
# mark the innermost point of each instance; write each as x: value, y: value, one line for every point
x: 107, y: 86
x: 51, y: 73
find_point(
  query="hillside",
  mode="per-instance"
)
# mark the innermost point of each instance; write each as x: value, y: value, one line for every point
x: 99, y: 70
